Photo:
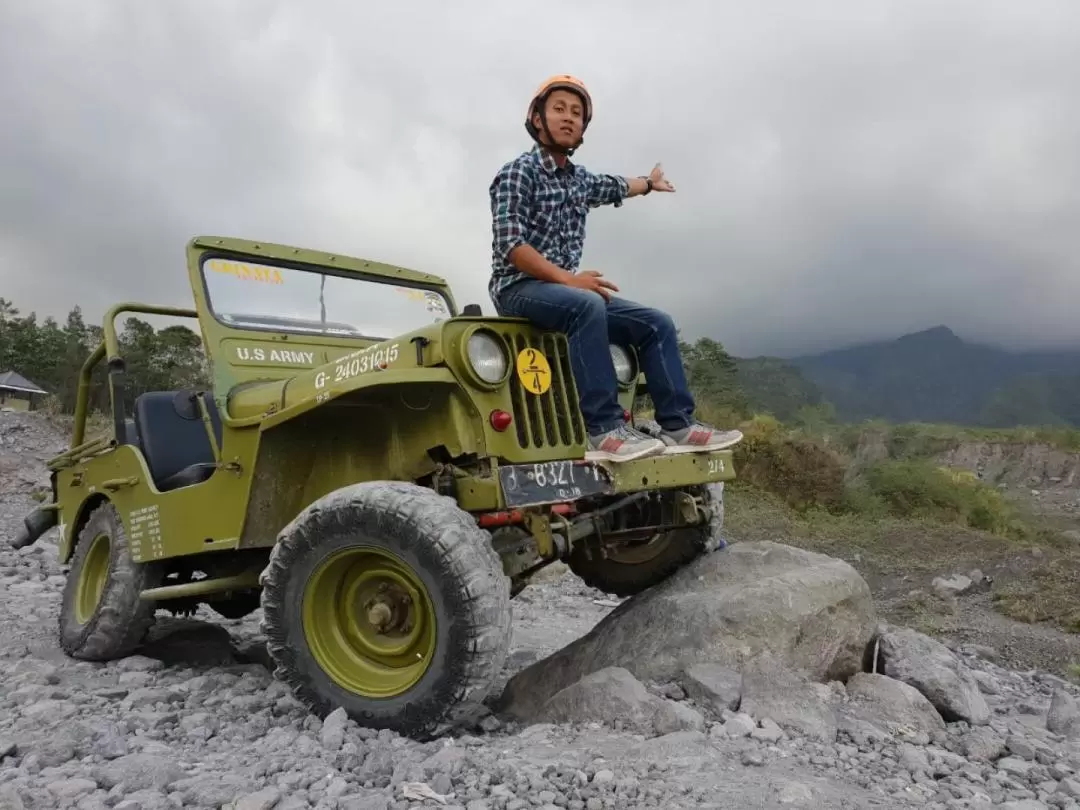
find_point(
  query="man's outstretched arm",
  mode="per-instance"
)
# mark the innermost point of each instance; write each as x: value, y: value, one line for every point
x: 610, y: 189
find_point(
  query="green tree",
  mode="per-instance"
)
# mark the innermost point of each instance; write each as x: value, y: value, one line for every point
x: 778, y: 388
x: 713, y: 377
x: 52, y: 356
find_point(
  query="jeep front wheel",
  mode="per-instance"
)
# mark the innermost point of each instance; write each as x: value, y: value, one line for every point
x: 388, y: 600
x: 101, y: 615
x: 631, y: 569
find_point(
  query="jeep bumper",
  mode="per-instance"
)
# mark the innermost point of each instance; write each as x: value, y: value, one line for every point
x: 517, y: 486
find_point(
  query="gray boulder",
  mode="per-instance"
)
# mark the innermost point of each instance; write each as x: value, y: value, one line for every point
x: 893, y: 707
x: 787, y: 698
x: 617, y: 699
x: 140, y: 772
x: 713, y: 685
x: 1064, y: 715
x: 982, y: 744
x: 934, y: 670
x: 812, y: 612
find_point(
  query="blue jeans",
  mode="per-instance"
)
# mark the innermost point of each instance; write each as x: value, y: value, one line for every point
x: 591, y: 324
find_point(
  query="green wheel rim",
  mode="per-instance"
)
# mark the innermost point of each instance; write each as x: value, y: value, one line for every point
x: 369, y: 622
x: 92, y: 578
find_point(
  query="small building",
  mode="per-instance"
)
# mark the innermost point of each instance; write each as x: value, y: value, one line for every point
x: 18, y: 393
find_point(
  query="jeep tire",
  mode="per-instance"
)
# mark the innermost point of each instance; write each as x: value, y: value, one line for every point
x: 101, y: 615
x: 387, y: 599
x: 634, y: 569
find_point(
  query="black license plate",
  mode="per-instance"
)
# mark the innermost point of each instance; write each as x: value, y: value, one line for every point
x: 552, y: 482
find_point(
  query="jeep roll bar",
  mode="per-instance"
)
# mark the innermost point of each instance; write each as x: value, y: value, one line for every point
x: 109, y: 348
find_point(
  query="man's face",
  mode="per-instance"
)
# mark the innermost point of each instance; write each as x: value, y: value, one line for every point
x: 565, y: 114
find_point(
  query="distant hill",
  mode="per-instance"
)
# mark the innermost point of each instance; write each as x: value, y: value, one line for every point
x: 775, y: 386
x: 935, y: 376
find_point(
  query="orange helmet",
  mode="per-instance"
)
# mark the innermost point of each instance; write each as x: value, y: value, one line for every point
x: 560, y: 81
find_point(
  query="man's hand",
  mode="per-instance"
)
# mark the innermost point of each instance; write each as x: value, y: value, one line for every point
x: 640, y: 185
x: 659, y: 182
x: 592, y: 280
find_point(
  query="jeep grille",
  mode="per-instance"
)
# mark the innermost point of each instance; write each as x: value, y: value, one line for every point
x: 551, y: 419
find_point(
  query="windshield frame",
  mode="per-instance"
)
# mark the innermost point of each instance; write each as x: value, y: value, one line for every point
x: 315, y: 269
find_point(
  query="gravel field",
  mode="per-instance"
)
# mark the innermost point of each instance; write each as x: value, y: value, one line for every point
x: 197, y: 721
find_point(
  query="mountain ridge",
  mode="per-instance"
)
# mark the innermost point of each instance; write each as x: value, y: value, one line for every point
x: 935, y: 375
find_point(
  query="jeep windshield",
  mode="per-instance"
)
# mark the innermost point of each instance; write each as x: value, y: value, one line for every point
x: 247, y: 295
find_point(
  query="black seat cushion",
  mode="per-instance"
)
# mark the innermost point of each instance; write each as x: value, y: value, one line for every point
x: 173, y: 438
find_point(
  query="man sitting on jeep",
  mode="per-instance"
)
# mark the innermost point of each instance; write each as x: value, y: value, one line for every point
x: 539, y: 203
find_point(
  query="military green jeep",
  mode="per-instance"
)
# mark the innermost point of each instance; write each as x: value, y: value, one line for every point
x: 378, y: 472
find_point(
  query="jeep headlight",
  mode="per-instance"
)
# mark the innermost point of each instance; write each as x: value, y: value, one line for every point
x: 487, y: 356
x: 624, y: 367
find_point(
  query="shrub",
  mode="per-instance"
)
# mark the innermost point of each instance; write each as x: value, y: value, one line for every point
x: 795, y: 468
x: 914, y: 488
x: 919, y: 441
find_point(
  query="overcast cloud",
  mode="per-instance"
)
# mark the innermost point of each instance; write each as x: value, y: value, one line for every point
x: 845, y: 170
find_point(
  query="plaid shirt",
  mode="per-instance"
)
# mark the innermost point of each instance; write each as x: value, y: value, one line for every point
x: 534, y: 201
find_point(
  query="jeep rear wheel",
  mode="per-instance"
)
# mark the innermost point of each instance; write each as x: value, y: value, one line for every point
x: 631, y: 569
x: 388, y: 600
x: 101, y: 614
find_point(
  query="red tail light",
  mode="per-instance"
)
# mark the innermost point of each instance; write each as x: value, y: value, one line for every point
x: 500, y: 420
x: 626, y: 415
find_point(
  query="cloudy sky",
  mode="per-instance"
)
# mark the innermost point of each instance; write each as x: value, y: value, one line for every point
x: 845, y: 170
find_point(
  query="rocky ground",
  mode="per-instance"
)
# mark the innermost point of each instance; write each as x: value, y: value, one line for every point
x: 197, y: 721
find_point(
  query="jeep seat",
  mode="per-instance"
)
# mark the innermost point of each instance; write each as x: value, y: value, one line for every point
x: 131, y: 434
x: 173, y: 438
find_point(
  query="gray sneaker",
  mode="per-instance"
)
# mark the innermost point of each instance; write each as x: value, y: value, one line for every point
x: 622, y: 444
x: 699, y: 438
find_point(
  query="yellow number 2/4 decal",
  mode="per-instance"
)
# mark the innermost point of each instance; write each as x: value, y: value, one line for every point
x: 533, y: 371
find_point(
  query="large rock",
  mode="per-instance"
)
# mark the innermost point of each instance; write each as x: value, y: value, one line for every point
x: 140, y: 772
x: 1064, y: 715
x: 788, y: 699
x: 934, y: 670
x: 982, y: 744
x: 617, y: 699
x: 812, y: 612
x: 893, y: 707
x: 714, y: 685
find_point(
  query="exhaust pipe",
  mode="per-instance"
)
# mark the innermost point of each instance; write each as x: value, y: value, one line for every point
x: 34, y: 525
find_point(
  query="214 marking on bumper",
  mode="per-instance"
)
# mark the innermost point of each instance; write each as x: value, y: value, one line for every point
x: 552, y: 482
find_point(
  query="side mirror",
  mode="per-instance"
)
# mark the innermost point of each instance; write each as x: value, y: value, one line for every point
x: 472, y: 310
